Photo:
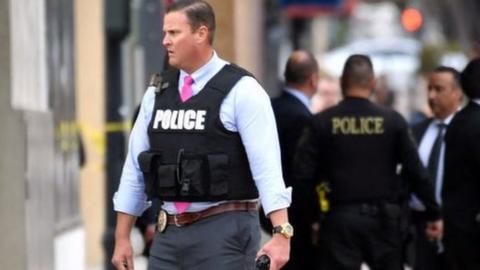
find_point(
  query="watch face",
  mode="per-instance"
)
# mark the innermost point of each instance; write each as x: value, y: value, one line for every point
x: 284, y: 229
x: 287, y: 230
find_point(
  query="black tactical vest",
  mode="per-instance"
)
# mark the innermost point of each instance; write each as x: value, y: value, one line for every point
x: 192, y: 156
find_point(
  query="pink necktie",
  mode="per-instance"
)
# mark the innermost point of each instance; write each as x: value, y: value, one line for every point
x: 185, y: 94
x: 181, y: 206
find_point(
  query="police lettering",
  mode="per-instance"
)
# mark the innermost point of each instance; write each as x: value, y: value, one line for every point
x: 180, y: 119
x: 357, y: 125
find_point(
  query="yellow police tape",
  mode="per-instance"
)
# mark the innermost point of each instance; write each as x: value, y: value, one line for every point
x: 67, y: 132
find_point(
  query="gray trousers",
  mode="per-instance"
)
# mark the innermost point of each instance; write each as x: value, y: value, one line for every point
x: 228, y: 241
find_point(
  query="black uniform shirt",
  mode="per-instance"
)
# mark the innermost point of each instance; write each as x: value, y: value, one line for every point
x: 357, y: 146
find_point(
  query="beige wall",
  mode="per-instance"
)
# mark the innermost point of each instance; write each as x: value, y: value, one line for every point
x: 239, y: 37
x: 249, y: 38
x: 224, y: 42
x: 89, y: 73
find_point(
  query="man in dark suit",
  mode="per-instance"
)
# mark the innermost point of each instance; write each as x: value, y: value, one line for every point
x: 461, y: 187
x: 292, y: 112
x: 444, y: 98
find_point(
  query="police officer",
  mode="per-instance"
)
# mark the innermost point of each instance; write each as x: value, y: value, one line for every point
x: 356, y: 146
x: 205, y: 144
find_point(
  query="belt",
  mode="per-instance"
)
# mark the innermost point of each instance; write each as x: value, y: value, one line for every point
x: 370, y: 209
x: 188, y: 218
x: 360, y: 208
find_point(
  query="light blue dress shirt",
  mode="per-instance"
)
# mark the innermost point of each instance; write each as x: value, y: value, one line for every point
x: 299, y: 95
x: 246, y: 110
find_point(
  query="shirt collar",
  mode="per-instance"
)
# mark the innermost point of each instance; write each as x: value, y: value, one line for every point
x: 299, y: 95
x: 476, y: 100
x: 445, y: 121
x: 202, y: 75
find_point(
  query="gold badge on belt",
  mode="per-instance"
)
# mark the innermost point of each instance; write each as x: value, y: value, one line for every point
x: 161, y: 221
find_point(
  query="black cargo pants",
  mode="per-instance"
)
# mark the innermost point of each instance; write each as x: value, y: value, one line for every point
x: 362, y: 233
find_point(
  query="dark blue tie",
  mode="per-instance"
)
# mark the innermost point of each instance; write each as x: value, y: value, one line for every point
x: 434, y: 157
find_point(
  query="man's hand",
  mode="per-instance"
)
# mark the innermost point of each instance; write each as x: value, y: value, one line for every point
x: 122, y: 257
x: 434, y: 230
x: 278, y: 250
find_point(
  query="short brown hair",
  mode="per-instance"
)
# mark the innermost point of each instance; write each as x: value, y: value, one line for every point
x: 198, y: 13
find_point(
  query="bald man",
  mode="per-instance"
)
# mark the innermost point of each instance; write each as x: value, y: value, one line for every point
x: 292, y: 112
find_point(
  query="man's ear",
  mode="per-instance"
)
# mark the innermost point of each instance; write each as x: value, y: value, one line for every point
x: 459, y: 94
x: 314, y: 81
x: 373, y: 83
x: 201, y: 34
x: 372, y: 86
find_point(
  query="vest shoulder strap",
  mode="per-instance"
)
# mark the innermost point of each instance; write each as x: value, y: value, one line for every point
x: 227, y: 77
x: 223, y: 81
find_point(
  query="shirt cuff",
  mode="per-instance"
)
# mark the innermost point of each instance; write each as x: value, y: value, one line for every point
x: 276, y: 201
x: 129, y: 206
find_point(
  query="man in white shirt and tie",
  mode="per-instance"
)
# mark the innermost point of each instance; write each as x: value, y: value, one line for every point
x: 444, y: 98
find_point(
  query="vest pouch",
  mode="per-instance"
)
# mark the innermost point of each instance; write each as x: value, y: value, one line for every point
x: 193, y: 182
x: 145, y: 161
x: 166, y: 174
x: 218, y: 167
x: 158, y: 172
x: 166, y: 180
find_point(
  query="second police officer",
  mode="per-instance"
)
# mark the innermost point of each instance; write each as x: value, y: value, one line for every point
x: 357, y: 148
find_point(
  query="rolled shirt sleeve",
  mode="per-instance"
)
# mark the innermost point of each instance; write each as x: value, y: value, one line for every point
x: 252, y: 116
x: 130, y: 197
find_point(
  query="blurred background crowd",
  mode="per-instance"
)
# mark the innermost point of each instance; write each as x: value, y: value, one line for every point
x: 72, y: 73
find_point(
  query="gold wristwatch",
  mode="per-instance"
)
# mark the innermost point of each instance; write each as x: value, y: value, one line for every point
x: 284, y: 229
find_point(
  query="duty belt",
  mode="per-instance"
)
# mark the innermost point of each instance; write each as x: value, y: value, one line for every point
x: 188, y: 218
x: 371, y: 209
x: 385, y: 209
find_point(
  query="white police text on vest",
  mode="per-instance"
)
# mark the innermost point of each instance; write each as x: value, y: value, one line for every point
x: 180, y: 119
